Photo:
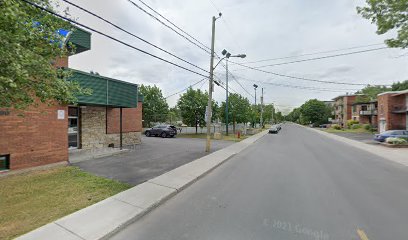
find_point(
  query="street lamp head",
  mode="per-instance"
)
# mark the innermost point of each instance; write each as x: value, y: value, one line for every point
x: 228, y: 55
x: 224, y: 52
x: 255, y: 86
x: 241, y: 55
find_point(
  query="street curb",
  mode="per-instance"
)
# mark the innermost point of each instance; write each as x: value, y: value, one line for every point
x: 396, y: 155
x: 107, y: 217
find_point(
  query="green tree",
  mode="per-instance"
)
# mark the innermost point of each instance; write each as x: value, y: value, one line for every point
x: 388, y: 15
x: 315, y: 112
x: 192, y: 105
x: 155, y: 107
x: 278, y: 117
x: 268, y: 113
x: 399, y: 86
x: 29, y: 43
x: 239, y: 110
x: 370, y: 93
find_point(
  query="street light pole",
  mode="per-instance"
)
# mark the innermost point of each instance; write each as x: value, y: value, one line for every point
x: 227, y: 56
x: 226, y: 100
x: 210, y: 87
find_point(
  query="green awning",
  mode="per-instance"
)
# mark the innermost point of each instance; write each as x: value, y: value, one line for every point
x: 81, y: 39
x: 105, y: 91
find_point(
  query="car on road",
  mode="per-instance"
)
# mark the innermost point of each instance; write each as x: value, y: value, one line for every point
x: 162, y: 131
x: 391, y: 133
x: 273, y: 130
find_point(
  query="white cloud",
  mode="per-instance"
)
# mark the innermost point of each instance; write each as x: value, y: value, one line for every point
x: 261, y: 29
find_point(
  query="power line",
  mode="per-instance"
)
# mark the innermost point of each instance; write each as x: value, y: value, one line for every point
x: 185, y: 88
x: 169, y: 27
x: 110, y: 37
x: 126, y: 31
x: 300, y: 78
x: 316, y: 53
x: 302, y: 87
x: 202, y: 44
x: 319, y: 58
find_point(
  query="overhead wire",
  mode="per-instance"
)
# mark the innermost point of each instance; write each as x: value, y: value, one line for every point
x: 166, y: 25
x: 315, y: 53
x: 110, y: 37
x: 184, y: 89
x: 302, y: 78
x: 173, y: 24
x: 317, y: 58
x: 132, y: 34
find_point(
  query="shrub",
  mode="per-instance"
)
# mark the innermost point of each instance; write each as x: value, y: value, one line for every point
x: 396, y: 141
x: 355, y: 126
x: 367, y: 127
x: 351, y: 123
x: 336, y: 126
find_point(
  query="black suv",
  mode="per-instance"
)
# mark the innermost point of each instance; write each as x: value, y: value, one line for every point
x: 162, y: 131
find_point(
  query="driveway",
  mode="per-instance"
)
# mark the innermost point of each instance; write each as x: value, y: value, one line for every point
x: 152, y: 158
x: 362, y: 137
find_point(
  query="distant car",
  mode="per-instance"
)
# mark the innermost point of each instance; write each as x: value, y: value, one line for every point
x: 273, y: 130
x: 323, y: 125
x: 162, y: 131
x: 391, y: 133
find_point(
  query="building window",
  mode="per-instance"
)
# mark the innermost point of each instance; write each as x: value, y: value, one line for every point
x: 4, y: 162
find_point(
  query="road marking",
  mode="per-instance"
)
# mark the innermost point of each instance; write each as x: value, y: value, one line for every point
x: 362, y: 234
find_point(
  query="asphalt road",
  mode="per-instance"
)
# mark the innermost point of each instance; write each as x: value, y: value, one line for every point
x: 294, y: 185
x: 150, y: 159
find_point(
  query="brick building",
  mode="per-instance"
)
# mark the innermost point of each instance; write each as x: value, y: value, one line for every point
x: 365, y: 112
x: 393, y: 111
x: 343, y: 109
x: 44, y: 134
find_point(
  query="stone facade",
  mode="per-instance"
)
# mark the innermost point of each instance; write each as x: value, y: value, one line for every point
x: 94, y: 132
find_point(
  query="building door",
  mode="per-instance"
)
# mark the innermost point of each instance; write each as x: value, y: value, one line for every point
x: 383, y: 125
x: 73, y: 134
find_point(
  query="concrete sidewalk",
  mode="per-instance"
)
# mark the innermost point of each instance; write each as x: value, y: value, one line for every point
x: 104, y: 218
x: 398, y: 155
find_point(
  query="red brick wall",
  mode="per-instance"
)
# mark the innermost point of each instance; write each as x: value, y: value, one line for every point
x: 386, y: 104
x: 36, y: 139
x: 131, y: 119
x: 61, y: 62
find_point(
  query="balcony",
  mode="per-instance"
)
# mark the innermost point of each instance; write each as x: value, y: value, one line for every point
x: 368, y: 112
x: 400, y: 109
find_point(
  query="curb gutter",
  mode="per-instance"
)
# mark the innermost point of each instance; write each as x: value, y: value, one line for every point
x: 105, y: 218
x: 397, y: 155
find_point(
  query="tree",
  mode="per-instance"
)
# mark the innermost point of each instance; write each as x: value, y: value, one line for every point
x: 294, y: 116
x: 388, y: 15
x: 268, y: 113
x: 370, y: 93
x: 239, y: 110
x: 399, y: 86
x: 192, y: 105
x: 315, y: 112
x: 155, y: 107
x: 29, y: 43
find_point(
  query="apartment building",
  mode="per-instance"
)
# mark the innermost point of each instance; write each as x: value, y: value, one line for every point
x: 393, y: 111
x: 365, y: 112
x: 343, y: 105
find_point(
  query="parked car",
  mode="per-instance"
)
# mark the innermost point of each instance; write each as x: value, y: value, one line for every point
x: 273, y: 130
x: 391, y: 133
x: 162, y: 131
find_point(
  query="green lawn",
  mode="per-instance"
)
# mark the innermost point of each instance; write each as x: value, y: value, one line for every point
x: 230, y: 137
x: 30, y: 200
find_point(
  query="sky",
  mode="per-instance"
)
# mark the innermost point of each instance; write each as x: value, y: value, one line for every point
x: 261, y: 29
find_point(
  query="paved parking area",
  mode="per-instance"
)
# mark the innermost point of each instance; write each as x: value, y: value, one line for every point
x: 152, y: 158
x: 362, y: 137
